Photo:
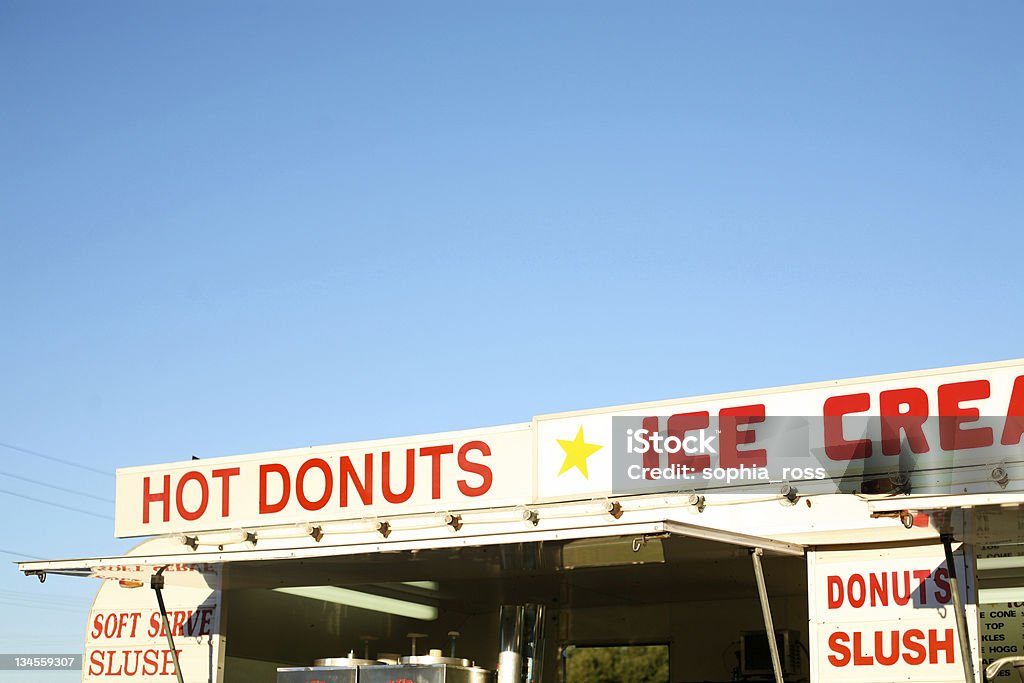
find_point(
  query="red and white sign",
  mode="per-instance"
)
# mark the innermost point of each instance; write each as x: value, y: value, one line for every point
x: 125, y: 637
x: 878, y: 616
x: 945, y: 418
x: 951, y: 424
x: 434, y: 473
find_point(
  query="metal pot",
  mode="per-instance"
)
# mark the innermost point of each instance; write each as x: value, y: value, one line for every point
x: 345, y: 661
x: 478, y: 674
x: 436, y: 659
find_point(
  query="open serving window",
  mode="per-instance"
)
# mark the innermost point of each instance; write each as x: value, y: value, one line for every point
x: 691, y: 600
x: 659, y: 601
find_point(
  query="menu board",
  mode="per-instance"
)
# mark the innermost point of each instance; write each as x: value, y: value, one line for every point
x: 1001, y: 623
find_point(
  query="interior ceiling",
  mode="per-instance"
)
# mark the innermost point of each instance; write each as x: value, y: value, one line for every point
x: 693, y: 569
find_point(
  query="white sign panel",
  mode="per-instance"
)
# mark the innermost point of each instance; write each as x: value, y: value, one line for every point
x: 433, y: 473
x: 879, y: 616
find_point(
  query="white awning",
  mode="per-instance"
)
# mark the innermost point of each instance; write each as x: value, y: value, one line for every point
x: 130, y: 567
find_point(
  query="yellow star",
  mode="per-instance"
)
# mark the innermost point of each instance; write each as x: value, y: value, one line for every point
x: 576, y: 453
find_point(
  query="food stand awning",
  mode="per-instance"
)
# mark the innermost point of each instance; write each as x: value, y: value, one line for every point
x: 129, y: 566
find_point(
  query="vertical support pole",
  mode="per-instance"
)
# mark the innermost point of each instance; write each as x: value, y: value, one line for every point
x: 958, y: 607
x: 766, y: 611
x: 156, y: 582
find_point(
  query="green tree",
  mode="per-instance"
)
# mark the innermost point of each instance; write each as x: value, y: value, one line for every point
x: 618, y: 664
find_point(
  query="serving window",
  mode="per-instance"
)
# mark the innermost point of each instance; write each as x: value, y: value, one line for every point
x: 650, y: 607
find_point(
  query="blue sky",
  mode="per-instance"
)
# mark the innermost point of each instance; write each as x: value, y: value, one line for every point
x: 233, y: 227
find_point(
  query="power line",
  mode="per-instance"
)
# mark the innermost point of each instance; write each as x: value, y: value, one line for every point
x: 47, y: 502
x: 54, y: 486
x: 48, y: 642
x: 34, y: 600
x: 32, y: 607
x: 69, y: 463
x: 11, y: 552
x: 45, y: 596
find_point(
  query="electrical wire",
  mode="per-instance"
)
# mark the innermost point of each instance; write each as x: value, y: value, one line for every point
x: 50, y: 608
x: 31, y: 602
x: 25, y: 555
x: 82, y: 606
x: 47, y: 502
x: 69, y: 463
x: 55, y: 487
x: 47, y: 596
x: 46, y: 642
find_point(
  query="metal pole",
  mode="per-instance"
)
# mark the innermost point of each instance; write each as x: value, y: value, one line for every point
x: 958, y: 606
x: 766, y: 611
x: 156, y: 582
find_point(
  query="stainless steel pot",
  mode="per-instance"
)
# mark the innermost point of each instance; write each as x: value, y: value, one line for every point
x: 345, y: 661
x: 426, y: 673
x: 477, y: 674
x: 436, y: 659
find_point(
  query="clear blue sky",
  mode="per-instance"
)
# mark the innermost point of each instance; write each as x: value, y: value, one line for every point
x: 232, y: 227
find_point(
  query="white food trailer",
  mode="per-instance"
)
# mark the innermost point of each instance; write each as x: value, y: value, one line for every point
x: 872, y: 525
